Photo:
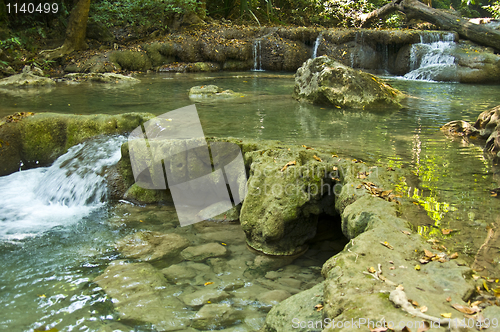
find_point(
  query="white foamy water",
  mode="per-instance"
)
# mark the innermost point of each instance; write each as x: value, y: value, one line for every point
x: 434, y: 54
x: 38, y: 199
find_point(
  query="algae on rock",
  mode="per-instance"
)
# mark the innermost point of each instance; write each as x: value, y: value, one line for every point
x: 325, y: 81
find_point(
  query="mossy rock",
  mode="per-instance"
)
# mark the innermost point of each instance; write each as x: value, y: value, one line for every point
x: 40, y: 139
x: 131, y: 60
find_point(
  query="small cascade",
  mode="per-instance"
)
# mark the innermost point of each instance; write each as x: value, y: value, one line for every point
x: 359, y: 39
x: 257, y: 55
x: 39, y: 199
x: 317, y: 42
x: 431, y: 56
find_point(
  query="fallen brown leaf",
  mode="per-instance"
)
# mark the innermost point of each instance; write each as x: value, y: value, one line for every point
x: 463, y: 309
x: 317, y: 158
x: 448, y: 299
x: 428, y: 254
x: 318, y: 307
x: 386, y: 244
x: 454, y: 255
x: 423, y: 308
x: 446, y: 231
x: 290, y: 163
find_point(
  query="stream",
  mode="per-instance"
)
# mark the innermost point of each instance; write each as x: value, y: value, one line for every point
x: 58, y: 230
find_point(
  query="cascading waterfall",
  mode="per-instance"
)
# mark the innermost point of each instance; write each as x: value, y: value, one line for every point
x: 359, y: 39
x: 317, y: 42
x: 434, y: 55
x: 257, y: 53
x: 39, y: 199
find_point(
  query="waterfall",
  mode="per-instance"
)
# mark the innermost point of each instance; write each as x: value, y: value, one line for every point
x: 317, y: 42
x: 39, y: 199
x: 434, y: 53
x: 359, y: 39
x: 257, y: 54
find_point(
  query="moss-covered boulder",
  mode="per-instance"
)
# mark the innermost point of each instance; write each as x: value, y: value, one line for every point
x: 131, y: 60
x: 287, y: 190
x: 39, y: 139
x: 325, y: 81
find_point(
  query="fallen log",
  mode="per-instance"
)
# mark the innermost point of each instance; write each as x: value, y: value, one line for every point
x: 444, y: 20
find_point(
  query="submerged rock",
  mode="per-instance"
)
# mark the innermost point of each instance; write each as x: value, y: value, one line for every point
x: 209, y: 92
x: 212, y: 316
x: 204, y: 251
x: 325, y: 81
x: 100, y: 77
x: 149, y: 246
x: 141, y: 293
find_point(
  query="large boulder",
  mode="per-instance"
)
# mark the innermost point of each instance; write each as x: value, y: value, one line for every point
x: 325, y: 81
x: 281, y: 209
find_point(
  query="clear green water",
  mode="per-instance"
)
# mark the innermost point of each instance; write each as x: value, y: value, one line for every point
x: 46, y: 280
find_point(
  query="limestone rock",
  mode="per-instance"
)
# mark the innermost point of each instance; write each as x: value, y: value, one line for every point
x: 325, y: 81
x: 178, y: 272
x: 212, y: 316
x: 207, y: 92
x: 43, y: 137
x: 459, y: 128
x: 204, y: 251
x: 101, y: 78
x: 149, y: 246
x: 296, y: 308
x: 140, y: 293
x: 281, y: 209
x: 273, y: 297
x: 201, y: 297
x: 140, y: 195
x: 30, y: 77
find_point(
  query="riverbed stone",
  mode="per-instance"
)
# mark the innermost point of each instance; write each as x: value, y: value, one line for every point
x: 150, y: 246
x: 178, y: 272
x: 215, y: 315
x: 273, y: 297
x: 201, y: 297
x: 204, y: 251
x: 327, y: 82
x: 295, y: 309
x: 140, y: 293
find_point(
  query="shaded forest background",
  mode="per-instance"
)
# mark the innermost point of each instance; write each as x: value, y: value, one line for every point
x: 22, y: 35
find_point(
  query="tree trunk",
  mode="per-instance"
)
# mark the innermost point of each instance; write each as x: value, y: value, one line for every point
x: 478, y: 33
x: 75, y: 32
x: 77, y: 26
